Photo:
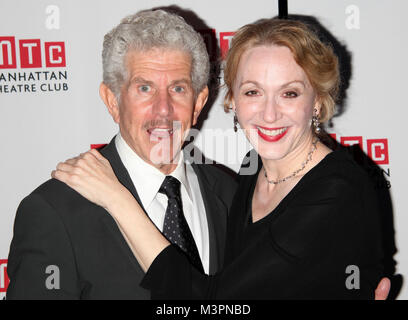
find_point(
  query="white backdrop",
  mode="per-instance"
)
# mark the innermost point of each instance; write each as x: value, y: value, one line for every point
x: 65, y: 115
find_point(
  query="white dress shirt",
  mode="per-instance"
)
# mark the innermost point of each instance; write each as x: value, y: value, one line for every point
x: 147, y: 181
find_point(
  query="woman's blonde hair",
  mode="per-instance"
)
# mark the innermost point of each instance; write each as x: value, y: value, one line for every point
x: 316, y: 59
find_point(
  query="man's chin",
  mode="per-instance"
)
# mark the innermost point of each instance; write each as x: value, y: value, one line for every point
x: 166, y: 149
x: 162, y: 156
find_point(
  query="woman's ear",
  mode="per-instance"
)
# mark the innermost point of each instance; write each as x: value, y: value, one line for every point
x: 317, y: 106
x: 232, y: 105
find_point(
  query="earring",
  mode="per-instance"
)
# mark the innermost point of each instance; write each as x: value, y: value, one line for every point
x: 235, y: 123
x: 316, y: 122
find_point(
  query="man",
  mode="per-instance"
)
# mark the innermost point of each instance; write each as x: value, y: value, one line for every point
x: 155, y: 73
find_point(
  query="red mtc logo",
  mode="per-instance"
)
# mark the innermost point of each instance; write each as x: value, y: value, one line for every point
x: 4, y: 280
x: 225, y: 42
x: 98, y: 145
x: 377, y: 149
x: 210, y: 39
x: 30, y: 53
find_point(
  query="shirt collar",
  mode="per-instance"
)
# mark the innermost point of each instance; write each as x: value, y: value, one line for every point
x: 146, y: 178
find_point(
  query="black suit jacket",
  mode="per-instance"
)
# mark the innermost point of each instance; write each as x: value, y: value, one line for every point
x: 56, y: 226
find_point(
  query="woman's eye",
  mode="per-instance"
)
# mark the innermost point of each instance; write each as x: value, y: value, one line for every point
x: 251, y: 93
x: 290, y: 94
x: 144, y: 88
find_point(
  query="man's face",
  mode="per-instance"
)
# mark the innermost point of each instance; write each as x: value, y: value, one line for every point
x: 157, y: 105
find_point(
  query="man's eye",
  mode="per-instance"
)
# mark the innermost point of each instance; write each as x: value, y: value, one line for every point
x: 178, y: 89
x: 290, y: 94
x: 144, y: 88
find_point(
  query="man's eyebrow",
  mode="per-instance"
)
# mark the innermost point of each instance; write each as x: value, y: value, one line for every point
x: 181, y: 81
x: 174, y: 82
x: 141, y: 80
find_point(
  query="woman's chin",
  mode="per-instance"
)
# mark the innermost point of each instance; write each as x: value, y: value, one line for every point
x: 268, y: 154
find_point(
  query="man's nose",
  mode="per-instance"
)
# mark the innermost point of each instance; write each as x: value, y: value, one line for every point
x: 163, y: 104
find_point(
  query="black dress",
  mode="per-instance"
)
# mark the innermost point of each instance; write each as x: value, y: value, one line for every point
x: 323, y: 241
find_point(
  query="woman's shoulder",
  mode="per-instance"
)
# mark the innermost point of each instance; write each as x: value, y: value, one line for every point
x: 339, y: 167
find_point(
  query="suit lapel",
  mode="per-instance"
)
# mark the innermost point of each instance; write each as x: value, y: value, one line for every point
x: 214, y: 208
x: 110, y: 152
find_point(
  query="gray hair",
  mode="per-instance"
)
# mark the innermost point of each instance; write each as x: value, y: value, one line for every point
x: 146, y: 30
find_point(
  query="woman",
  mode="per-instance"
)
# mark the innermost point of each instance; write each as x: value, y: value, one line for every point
x: 305, y: 225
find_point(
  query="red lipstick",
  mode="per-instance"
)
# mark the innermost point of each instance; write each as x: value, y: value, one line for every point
x: 272, y: 138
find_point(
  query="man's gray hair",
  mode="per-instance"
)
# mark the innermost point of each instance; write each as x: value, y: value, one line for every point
x: 146, y: 30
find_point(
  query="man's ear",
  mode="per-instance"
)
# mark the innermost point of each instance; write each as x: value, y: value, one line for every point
x: 110, y: 101
x: 200, y: 103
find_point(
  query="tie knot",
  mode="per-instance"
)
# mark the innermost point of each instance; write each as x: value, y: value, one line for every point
x: 170, y: 187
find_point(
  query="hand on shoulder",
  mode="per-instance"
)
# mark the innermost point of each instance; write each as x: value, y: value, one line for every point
x: 91, y: 175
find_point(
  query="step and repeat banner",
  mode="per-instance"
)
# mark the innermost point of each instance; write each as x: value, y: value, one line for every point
x: 50, y: 71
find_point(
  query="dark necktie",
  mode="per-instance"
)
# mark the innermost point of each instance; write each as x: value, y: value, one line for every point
x: 175, y: 227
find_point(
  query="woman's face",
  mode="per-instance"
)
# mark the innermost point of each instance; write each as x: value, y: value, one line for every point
x: 274, y: 101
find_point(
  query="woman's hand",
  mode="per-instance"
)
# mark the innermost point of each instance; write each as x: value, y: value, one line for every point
x: 91, y: 175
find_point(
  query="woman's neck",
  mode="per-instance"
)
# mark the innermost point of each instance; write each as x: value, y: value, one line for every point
x: 286, y: 166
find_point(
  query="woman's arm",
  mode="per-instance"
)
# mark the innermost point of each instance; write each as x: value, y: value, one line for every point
x: 91, y: 175
x: 143, y: 237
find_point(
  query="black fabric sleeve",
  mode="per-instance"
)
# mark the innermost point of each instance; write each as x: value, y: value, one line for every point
x: 40, y: 240
x: 171, y: 276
